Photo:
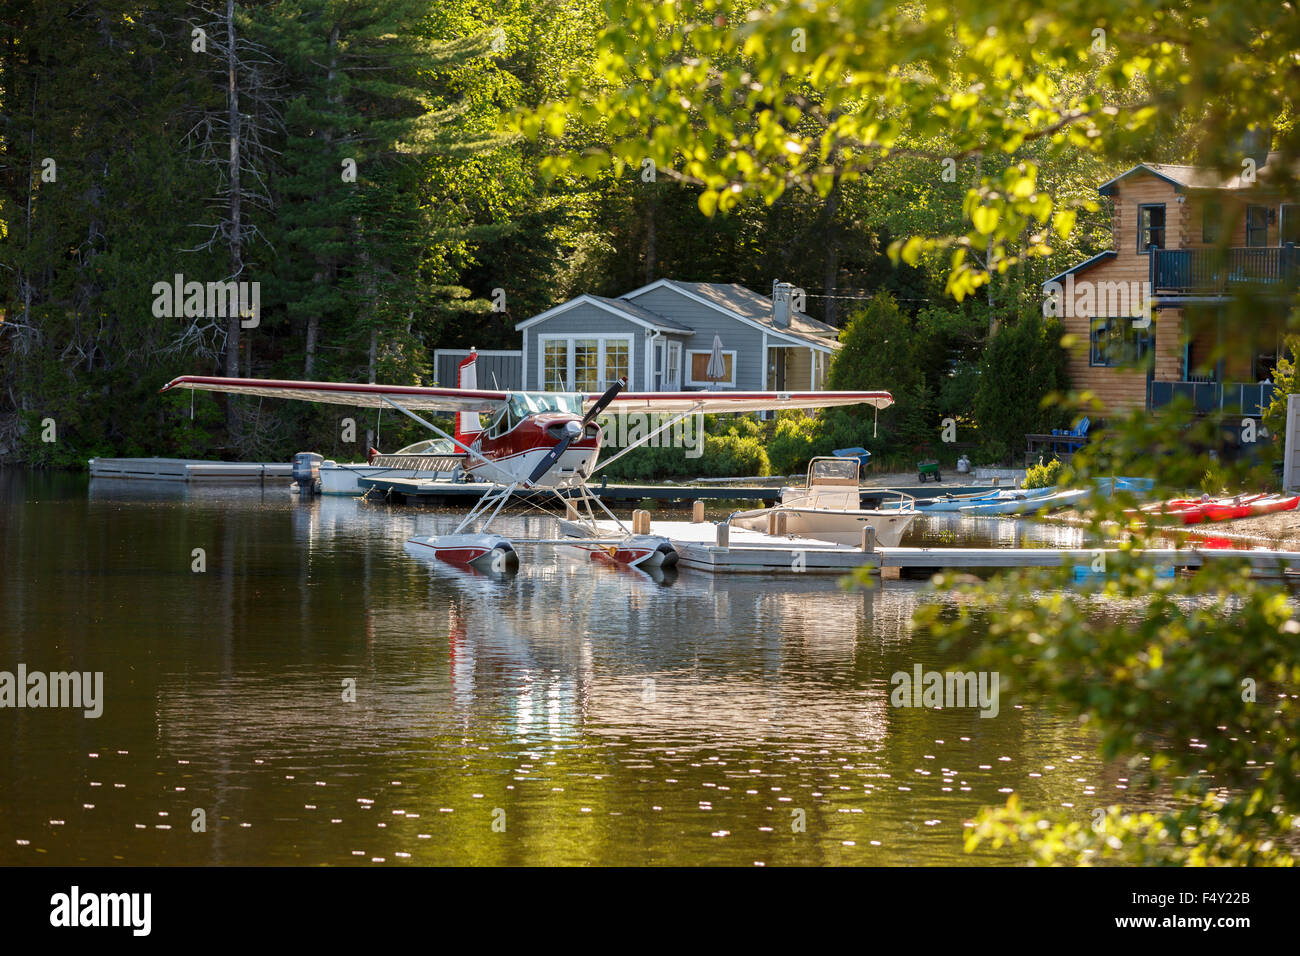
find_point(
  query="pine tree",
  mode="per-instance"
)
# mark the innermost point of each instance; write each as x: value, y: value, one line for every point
x: 372, y: 128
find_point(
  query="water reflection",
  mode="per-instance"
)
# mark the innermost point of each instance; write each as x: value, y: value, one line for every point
x: 599, y: 714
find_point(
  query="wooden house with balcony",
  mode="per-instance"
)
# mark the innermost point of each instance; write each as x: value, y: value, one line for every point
x: 1192, y: 299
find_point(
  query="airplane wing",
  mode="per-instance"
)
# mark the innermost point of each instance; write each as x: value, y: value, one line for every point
x: 735, y: 401
x: 367, y: 396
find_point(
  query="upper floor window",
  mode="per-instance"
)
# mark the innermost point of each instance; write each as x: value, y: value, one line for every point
x: 1211, y: 222
x: 1256, y: 225
x: 1151, y: 227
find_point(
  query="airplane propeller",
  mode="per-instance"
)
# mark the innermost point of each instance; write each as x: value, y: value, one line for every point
x: 603, y: 401
x: 573, y: 430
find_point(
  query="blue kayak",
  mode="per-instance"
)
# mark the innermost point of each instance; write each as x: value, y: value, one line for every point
x: 1048, y: 502
x: 959, y: 502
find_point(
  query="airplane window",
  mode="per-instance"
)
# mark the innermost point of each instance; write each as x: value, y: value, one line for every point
x: 523, y: 404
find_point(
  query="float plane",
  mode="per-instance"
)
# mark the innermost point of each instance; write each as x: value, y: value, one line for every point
x: 541, y: 439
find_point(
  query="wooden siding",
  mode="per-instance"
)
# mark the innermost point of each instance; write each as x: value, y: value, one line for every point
x: 583, y: 319
x: 744, y: 339
x: 1122, y: 389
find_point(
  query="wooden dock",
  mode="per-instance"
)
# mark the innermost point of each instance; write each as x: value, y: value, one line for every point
x: 434, y: 492
x: 748, y: 552
x: 463, y: 494
x: 187, y: 469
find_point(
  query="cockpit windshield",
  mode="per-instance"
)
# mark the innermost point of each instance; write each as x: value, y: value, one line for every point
x: 523, y: 404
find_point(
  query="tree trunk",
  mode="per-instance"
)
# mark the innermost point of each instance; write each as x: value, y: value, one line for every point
x: 651, y: 237
x: 831, y: 275
x: 323, y: 272
x: 236, y: 250
x: 233, y: 426
x: 313, y: 327
x: 370, y: 377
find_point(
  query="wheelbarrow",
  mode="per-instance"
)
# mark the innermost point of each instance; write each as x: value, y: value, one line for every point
x: 928, y: 469
x: 861, y: 454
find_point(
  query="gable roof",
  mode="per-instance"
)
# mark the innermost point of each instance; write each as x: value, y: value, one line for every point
x: 619, y: 307
x: 1108, y: 254
x: 647, y: 316
x: 750, y: 307
x: 1183, y: 177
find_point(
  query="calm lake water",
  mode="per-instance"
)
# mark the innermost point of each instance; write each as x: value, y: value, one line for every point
x: 569, y: 714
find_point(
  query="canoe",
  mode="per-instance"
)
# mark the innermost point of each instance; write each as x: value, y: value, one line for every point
x: 940, y: 503
x: 958, y: 502
x: 1050, y: 502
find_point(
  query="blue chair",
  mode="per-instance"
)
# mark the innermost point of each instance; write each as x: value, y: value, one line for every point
x: 1078, y: 434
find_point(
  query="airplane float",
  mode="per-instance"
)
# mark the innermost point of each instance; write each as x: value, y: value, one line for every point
x: 547, y: 440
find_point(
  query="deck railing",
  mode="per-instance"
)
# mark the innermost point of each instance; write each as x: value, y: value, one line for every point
x: 1229, y: 398
x: 1219, y: 270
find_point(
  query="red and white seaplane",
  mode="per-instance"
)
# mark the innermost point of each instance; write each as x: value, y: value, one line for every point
x: 546, y: 440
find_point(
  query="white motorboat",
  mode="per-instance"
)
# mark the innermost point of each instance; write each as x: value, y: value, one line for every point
x: 435, y: 458
x: 828, y: 507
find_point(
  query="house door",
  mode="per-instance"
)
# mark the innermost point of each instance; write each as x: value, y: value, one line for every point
x: 672, y: 381
x: 776, y: 368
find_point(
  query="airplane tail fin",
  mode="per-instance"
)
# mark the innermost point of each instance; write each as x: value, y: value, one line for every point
x: 467, y: 423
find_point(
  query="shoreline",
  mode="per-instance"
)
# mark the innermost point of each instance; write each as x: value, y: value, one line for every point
x: 1280, y: 530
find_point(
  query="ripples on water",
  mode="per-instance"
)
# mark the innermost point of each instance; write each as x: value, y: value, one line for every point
x: 572, y: 713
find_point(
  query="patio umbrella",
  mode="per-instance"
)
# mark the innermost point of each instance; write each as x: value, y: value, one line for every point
x: 717, y: 369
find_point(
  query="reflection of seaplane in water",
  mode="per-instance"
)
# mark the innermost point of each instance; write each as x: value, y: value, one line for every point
x: 534, y: 440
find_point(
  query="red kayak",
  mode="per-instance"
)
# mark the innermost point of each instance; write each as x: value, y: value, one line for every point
x: 1197, y: 510
x: 1226, y: 509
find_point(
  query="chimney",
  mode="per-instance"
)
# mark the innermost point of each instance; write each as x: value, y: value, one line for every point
x: 781, y: 303
x: 1256, y: 143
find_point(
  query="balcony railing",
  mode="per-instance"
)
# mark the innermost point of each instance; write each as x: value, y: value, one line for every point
x: 1207, y: 398
x: 1220, y: 270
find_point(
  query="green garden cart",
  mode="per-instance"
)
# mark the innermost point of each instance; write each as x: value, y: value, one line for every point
x: 927, y: 467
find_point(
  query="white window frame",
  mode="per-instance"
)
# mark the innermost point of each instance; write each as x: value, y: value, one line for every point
x: 570, y: 338
x: 708, y: 382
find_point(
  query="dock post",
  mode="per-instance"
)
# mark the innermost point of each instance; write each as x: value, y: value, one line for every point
x: 697, y: 512
x: 570, y: 510
x: 869, y: 539
x: 776, y: 523
x: 640, y: 521
x: 724, y: 534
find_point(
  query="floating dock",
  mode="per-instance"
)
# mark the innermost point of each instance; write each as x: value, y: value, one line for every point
x: 749, y: 552
x: 463, y: 494
x: 429, y: 491
x: 753, y: 552
x: 188, y: 469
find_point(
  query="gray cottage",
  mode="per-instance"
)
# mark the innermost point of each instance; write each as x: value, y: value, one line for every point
x: 660, y: 337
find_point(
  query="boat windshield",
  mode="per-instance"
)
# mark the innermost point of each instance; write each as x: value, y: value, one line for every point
x: 833, y: 471
x: 430, y: 446
x: 523, y: 404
